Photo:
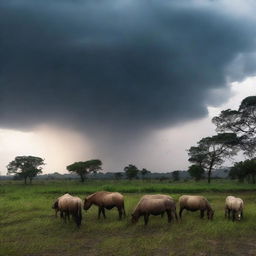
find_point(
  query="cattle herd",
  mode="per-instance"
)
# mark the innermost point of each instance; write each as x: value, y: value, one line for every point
x: 148, y: 205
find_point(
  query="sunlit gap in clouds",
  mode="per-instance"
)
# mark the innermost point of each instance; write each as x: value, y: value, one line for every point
x: 59, y: 147
x: 239, y: 91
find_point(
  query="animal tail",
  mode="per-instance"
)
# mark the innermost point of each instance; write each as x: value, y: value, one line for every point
x: 78, y: 217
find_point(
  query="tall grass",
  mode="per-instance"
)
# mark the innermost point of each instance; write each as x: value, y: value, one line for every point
x: 136, y: 186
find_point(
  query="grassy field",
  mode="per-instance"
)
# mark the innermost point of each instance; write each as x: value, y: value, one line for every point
x: 28, y: 226
x: 134, y: 186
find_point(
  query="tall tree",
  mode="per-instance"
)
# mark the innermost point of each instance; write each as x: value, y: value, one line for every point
x: 244, y: 169
x: 176, y: 175
x: 238, y: 172
x: 196, y: 171
x: 83, y: 168
x: 26, y: 167
x: 242, y: 122
x: 131, y: 171
x: 144, y: 172
x: 212, y: 151
x: 250, y: 166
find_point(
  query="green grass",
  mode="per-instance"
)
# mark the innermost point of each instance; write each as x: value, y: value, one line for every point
x: 135, y: 186
x: 28, y: 226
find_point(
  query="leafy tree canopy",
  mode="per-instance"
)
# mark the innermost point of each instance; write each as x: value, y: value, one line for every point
x: 244, y: 170
x: 131, y: 171
x: 25, y: 167
x: 242, y: 122
x: 144, y: 172
x: 196, y: 171
x: 83, y: 168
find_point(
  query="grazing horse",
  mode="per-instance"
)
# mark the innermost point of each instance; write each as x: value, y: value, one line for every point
x: 55, y: 205
x: 105, y: 200
x: 161, y: 196
x: 234, y: 205
x: 153, y: 206
x: 195, y: 203
x: 71, y: 205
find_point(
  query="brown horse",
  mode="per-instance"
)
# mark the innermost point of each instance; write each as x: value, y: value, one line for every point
x: 105, y: 200
x: 195, y: 203
x: 162, y: 196
x: 154, y: 206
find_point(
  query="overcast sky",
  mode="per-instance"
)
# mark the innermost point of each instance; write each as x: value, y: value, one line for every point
x: 124, y: 81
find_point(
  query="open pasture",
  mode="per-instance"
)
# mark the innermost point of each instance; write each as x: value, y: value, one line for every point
x: 28, y: 226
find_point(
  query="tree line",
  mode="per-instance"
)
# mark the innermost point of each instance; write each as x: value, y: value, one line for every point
x: 28, y: 167
x: 243, y: 171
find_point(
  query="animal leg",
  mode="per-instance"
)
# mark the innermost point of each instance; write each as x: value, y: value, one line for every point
x: 169, y: 216
x: 201, y: 214
x: 124, y: 210
x: 65, y: 217
x: 77, y: 220
x: 99, y: 212
x: 103, y: 212
x: 233, y: 215
x: 120, y: 212
x: 228, y: 213
x: 242, y: 214
x: 162, y: 214
x: 146, y: 217
x: 180, y: 213
x: 174, y: 215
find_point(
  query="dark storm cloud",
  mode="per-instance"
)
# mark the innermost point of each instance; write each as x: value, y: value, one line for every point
x: 115, y: 64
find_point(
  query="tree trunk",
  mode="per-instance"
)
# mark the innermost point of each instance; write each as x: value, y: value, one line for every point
x: 209, y: 176
x: 82, y: 178
x: 210, y: 171
x: 25, y: 180
x: 253, y: 178
x: 30, y: 180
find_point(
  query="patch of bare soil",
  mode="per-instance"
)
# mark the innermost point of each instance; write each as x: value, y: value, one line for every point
x: 233, y: 248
